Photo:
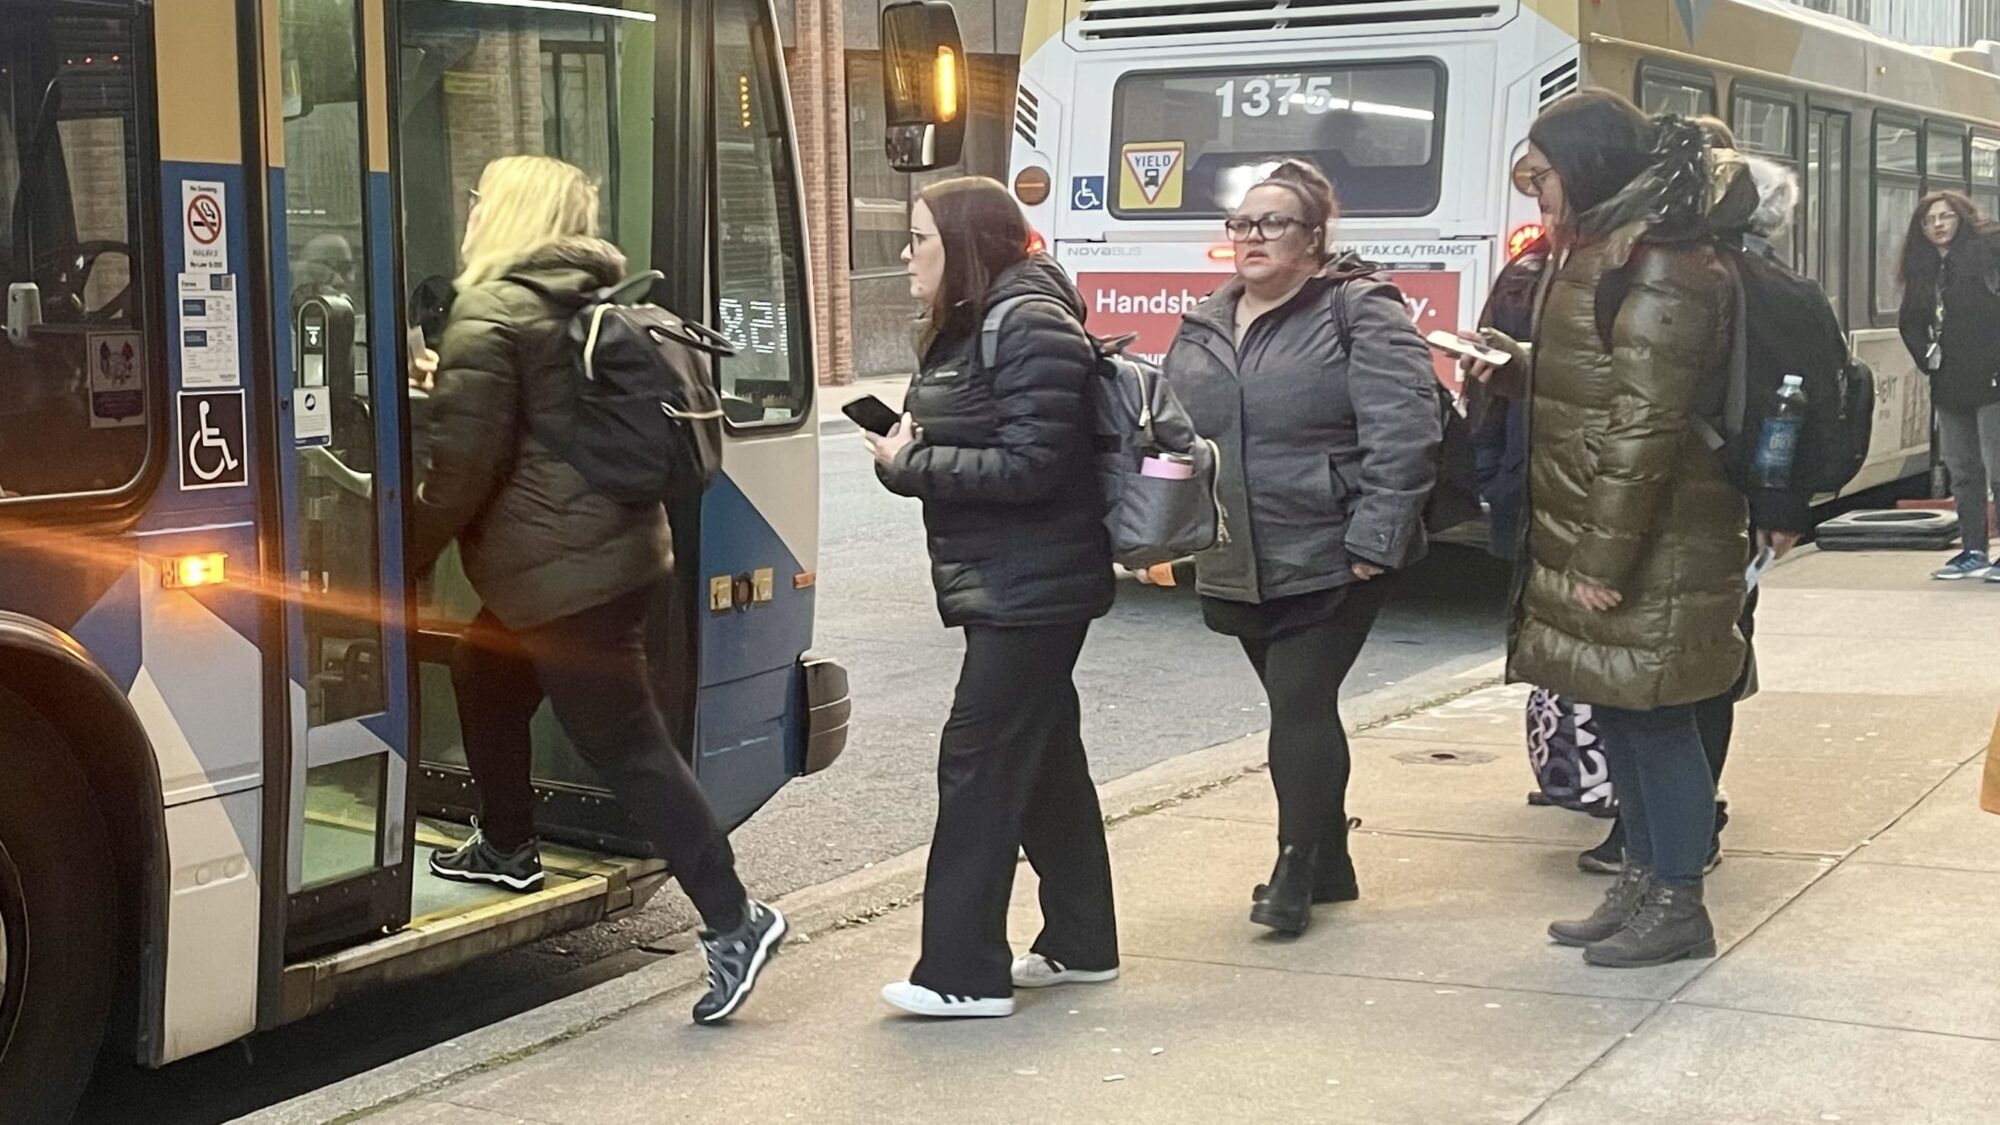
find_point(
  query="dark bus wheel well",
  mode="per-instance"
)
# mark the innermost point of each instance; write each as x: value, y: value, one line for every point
x: 98, y: 729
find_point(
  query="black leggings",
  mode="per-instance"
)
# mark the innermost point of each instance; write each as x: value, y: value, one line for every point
x: 1012, y: 776
x: 592, y: 669
x: 1302, y: 670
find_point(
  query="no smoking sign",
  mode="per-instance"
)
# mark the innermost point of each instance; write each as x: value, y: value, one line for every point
x: 204, y: 228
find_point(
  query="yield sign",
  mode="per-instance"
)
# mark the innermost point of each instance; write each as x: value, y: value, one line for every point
x: 1152, y: 166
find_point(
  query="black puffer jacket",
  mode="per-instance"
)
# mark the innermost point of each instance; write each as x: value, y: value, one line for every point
x: 539, y: 542
x: 1970, y: 376
x: 1005, y: 469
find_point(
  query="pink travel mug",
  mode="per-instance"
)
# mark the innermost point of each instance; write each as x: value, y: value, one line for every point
x: 1168, y: 466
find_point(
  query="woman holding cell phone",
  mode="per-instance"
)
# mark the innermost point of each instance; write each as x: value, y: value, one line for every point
x: 1002, y: 456
x: 1309, y: 375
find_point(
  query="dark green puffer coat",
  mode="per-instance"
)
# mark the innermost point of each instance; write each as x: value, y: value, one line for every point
x: 539, y: 542
x: 1622, y: 491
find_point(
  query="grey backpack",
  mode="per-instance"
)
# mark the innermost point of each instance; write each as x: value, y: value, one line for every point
x: 1159, y: 475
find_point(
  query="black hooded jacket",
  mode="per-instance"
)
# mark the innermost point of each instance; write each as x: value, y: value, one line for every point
x: 1006, y: 465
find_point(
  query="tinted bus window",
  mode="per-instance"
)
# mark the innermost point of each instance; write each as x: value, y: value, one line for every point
x: 76, y: 363
x: 1191, y: 143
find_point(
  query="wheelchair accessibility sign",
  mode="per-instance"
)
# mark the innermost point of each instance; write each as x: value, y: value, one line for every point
x: 212, y: 450
x: 1086, y: 193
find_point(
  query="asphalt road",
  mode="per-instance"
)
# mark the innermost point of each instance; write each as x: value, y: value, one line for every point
x: 1154, y: 683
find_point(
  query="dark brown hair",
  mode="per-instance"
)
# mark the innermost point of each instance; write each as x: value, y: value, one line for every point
x: 1918, y: 270
x: 984, y: 235
x: 1304, y: 180
x: 1597, y: 142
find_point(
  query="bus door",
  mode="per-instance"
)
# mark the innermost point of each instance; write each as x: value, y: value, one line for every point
x: 688, y: 93
x: 339, y: 367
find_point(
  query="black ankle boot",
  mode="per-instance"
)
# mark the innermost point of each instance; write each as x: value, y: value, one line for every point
x: 1333, y: 866
x: 1285, y: 903
x: 1671, y: 924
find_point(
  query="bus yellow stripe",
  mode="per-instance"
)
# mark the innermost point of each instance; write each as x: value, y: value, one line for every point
x: 200, y: 112
x: 1562, y: 14
x: 271, y: 24
x: 375, y: 70
x: 1043, y: 22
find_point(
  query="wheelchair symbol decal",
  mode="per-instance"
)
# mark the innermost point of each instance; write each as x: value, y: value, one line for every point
x: 1086, y: 193
x: 212, y: 452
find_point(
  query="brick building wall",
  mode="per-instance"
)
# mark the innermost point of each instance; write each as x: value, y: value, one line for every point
x: 860, y: 291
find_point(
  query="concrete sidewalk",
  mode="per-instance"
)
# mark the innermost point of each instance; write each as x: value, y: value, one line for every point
x: 1859, y: 904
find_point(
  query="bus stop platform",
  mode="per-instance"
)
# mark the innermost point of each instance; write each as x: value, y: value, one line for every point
x: 1858, y: 905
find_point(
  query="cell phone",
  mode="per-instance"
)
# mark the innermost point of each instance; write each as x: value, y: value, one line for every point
x: 1453, y: 344
x: 873, y: 415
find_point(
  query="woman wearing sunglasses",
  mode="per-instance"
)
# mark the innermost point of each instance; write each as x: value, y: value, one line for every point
x: 1636, y: 541
x: 1309, y: 374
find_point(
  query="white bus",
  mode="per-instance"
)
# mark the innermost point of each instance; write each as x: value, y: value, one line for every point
x: 1138, y: 123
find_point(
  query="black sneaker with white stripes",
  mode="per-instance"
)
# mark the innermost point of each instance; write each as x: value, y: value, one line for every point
x: 478, y: 861
x: 736, y: 958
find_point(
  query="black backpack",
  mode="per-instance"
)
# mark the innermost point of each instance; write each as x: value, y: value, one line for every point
x: 644, y: 424
x: 1785, y: 326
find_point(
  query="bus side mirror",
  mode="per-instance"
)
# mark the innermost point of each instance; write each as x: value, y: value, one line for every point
x: 924, y: 86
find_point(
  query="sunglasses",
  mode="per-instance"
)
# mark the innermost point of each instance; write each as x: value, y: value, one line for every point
x: 1528, y: 180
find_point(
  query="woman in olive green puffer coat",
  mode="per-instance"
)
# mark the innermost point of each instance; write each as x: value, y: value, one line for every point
x: 1636, y: 542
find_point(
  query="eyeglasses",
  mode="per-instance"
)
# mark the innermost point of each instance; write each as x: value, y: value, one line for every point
x: 472, y: 197
x: 1528, y: 181
x: 1269, y: 228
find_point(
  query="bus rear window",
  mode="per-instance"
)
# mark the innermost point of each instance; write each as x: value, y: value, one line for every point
x: 1189, y: 144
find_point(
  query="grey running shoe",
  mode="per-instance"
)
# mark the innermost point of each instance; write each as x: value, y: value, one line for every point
x: 1965, y: 564
x: 735, y: 959
x: 478, y: 861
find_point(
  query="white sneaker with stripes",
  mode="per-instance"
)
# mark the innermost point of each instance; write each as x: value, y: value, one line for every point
x: 1036, y: 971
x: 920, y: 1001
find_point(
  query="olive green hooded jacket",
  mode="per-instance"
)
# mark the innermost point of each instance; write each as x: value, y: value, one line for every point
x: 1623, y: 492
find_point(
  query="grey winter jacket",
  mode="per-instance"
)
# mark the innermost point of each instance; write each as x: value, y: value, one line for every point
x: 1329, y: 451
x: 539, y: 542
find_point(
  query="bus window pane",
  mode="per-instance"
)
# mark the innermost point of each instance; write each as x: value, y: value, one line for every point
x: 1895, y: 148
x: 1815, y: 202
x: 1894, y: 204
x: 75, y: 394
x: 1191, y: 143
x: 1833, y: 277
x: 328, y: 254
x: 1944, y: 154
x: 759, y: 296
x: 1985, y: 162
x: 1764, y: 127
x: 480, y: 83
x: 1664, y: 94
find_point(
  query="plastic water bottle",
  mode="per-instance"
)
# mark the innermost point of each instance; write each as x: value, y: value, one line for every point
x: 1778, y: 440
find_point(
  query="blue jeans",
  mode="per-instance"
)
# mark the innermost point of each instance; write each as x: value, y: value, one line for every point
x: 1666, y: 794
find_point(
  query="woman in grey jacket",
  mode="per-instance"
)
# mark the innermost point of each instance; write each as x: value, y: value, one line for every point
x: 1311, y: 377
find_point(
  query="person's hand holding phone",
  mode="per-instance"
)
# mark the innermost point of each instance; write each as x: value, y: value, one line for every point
x: 886, y: 447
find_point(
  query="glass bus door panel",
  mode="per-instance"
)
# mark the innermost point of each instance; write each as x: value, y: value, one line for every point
x: 330, y: 244
x: 760, y: 520
x: 478, y: 84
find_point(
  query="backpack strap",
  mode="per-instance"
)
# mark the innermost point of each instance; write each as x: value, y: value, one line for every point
x: 1342, y: 333
x: 996, y: 315
x: 1736, y: 387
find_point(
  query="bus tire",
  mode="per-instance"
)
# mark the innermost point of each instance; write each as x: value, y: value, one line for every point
x: 59, y: 918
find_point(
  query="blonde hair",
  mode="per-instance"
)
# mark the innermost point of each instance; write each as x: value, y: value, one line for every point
x: 525, y: 203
